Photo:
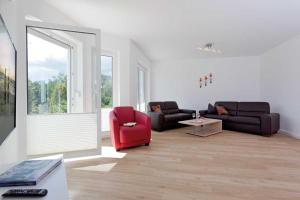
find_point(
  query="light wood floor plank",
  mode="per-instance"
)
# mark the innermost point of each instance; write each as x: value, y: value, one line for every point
x: 226, y: 166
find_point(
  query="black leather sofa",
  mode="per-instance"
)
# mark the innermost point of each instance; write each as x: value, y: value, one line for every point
x: 169, y: 117
x: 250, y: 117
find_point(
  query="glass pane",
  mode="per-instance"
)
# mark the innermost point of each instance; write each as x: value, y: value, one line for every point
x: 48, y: 64
x: 106, y: 81
x: 106, y: 90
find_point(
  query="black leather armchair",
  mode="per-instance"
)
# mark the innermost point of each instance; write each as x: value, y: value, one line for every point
x: 169, y: 116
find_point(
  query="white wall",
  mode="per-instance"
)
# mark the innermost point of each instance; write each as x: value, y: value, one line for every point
x: 125, y: 76
x: 280, y: 70
x: 120, y: 48
x: 236, y: 79
x: 138, y: 59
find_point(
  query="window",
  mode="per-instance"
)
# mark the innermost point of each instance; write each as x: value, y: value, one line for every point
x: 106, y: 90
x: 63, y: 77
x: 141, y: 89
x: 106, y: 81
x: 48, y: 67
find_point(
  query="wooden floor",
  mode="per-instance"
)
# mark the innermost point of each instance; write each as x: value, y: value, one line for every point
x: 179, y: 166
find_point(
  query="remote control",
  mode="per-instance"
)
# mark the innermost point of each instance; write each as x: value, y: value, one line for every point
x: 26, y: 193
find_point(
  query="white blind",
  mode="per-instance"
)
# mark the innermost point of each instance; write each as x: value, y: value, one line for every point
x: 49, y: 134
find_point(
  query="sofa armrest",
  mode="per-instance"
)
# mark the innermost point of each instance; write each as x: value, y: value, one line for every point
x: 203, y: 112
x: 270, y: 124
x: 187, y: 111
x: 157, y: 120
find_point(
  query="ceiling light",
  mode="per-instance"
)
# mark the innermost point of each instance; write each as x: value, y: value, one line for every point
x: 209, y: 48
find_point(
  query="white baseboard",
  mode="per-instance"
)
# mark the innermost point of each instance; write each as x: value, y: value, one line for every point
x: 289, y: 133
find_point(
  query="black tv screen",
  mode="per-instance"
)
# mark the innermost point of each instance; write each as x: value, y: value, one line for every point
x: 7, y: 83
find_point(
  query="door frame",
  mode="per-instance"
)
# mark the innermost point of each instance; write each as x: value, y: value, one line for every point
x: 96, y: 87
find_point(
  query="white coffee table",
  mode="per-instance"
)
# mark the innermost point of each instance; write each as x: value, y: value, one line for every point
x: 203, y: 127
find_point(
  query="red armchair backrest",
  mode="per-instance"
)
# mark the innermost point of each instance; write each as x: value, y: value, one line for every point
x: 124, y: 114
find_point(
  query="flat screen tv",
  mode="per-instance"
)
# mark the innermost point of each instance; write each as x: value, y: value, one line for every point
x: 8, y: 58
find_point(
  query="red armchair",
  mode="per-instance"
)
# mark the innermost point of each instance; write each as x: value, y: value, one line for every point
x: 124, y: 137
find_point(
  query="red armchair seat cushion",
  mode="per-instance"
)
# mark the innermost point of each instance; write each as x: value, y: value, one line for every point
x: 132, y: 134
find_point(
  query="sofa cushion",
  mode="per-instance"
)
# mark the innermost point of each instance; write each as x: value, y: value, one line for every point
x: 170, y: 105
x: 253, y: 109
x: 216, y: 116
x: 177, y: 117
x: 155, y: 103
x: 211, y: 109
x: 156, y: 108
x: 171, y: 111
x: 132, y: 134
x: 124, y: 114
x: 221, y: 110
x: 244, y: 120
x: 231, y: 106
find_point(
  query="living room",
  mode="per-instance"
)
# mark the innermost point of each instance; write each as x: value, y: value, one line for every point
x: 231, y: 67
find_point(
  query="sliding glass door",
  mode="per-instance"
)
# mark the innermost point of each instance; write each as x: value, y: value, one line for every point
x: 63, y: 90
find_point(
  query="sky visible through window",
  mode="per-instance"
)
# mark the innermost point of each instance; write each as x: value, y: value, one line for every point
x: 106, y: 65
x: 46, y: 60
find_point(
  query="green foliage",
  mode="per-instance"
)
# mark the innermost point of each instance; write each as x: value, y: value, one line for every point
x: 34, y: 96
x: 57, y: 90
x: 55, y: 99
x: 7, y: 94
x: 106, y: 91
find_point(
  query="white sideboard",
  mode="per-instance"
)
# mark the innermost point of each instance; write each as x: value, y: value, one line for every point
x: 55, y: 183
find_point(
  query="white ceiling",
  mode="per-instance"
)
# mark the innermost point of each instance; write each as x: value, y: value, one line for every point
x: 172, y: 29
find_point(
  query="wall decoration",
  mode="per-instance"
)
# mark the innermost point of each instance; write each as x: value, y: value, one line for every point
x: 200, y: 82
x: 208, y: 79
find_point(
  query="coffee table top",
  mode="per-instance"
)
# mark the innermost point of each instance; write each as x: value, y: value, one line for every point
x: 200, y: 122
